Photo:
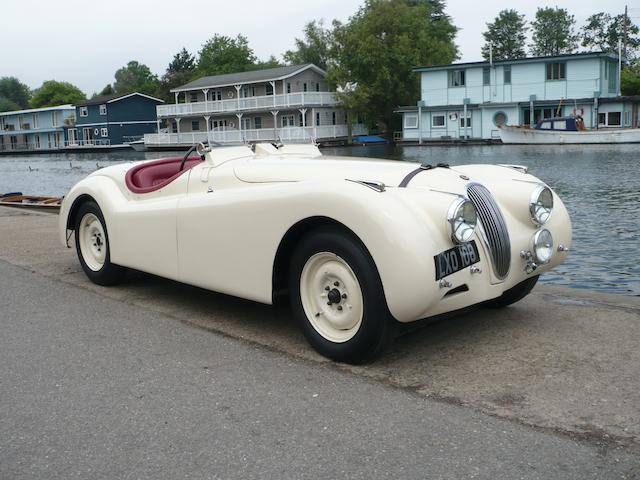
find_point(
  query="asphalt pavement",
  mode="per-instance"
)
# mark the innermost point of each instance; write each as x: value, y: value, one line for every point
x: 158, y: 380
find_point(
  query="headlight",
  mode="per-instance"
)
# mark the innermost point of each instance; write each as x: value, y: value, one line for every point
x: 542, y: 246
x: 462, y: 218
x: 541, y: 205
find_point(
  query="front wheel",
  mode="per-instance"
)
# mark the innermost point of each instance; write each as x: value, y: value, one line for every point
x: 92, y: 246
x: 337, y: 297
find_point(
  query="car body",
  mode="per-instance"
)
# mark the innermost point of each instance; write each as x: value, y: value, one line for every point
x: 232, y: 220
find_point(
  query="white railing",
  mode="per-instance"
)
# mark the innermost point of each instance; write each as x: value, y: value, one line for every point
x: 87, y: 143
x: 289, y: 100
x: 285, y: 134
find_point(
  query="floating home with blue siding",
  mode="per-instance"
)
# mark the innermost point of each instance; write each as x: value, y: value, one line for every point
x: 112, y: 120
x: 35, y: 129
x: 470, y: 100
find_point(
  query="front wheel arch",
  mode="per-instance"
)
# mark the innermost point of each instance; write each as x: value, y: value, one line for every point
x: 75, y: 207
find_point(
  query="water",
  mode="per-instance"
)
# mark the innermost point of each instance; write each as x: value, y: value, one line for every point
x: 599, y: 185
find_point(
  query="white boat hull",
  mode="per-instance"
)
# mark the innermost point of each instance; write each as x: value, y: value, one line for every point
x: 528, y: 135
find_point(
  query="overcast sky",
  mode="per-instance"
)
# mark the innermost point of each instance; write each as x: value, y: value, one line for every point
x: 85, y: 42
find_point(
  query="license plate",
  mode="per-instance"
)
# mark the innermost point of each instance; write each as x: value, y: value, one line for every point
x: 456, y: 258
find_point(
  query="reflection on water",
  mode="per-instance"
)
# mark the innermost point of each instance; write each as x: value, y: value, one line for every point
x: 599, y: 184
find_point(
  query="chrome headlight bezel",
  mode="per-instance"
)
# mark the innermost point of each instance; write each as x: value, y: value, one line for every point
x: 462, y: 224
x: 540, y: 209
x: 540, y: 246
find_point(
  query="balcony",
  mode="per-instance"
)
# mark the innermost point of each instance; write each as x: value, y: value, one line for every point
x: 230, y: 137
x: 238, y: 105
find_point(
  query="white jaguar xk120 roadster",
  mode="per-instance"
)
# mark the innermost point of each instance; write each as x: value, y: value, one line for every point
x: 357, y: 245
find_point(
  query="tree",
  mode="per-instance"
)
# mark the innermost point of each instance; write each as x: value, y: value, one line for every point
x: 107, y: 90
x: 7, y: 105
x: 14, y: 93
x: 221, y: 54
x: 314, y: 48
x: 630, y: 80
x: 271, y: 62
x: 135, y: 77
x: 179, y: 71
x: 602, y: 32
x: 377, y: 50
x: 553, y: 32
x: 53, y: 93
x: 506, y: 36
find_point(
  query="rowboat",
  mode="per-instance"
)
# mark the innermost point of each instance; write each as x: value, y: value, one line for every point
x: 30, y: 202
x: 563, y: 130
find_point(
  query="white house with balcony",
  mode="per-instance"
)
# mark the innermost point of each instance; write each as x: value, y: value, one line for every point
x: 470, y: 100
x: 35, y: 129
x: 291, y: 103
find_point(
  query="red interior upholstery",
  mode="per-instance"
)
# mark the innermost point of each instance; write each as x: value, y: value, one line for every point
x: 152, y: 176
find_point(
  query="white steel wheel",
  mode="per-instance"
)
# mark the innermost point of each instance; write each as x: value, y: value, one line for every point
x: 331, y: 297
x: 93, y: 241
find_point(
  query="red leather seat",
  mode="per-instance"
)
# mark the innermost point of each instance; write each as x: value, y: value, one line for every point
x: 152, y: 176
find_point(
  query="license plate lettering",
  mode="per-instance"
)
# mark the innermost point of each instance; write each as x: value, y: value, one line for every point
x: 455, y: 259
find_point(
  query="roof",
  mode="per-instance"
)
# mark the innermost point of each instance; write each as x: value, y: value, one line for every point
x: 101, y: 99
x: 36, y: 110
x: 514, y: 61
x: 252, y: 76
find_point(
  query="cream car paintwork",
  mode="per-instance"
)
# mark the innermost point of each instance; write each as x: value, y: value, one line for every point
x: 219, y: 225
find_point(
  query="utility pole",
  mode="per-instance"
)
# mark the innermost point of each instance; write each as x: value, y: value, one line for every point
x: 624, y: 30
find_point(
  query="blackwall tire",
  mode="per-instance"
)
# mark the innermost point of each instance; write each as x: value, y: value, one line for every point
x: 92, y: 246
x: 337, y: 297
x: 514, y: 294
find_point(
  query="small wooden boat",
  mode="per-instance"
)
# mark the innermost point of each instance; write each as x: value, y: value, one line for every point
x: 30, y: 202
x: 563, y: 130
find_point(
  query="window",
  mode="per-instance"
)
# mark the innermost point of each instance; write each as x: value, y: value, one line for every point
x: 193, y: 97
x: 613, y: 119
x: 287, y: 121
x: 507, y: 74
x: 410, y: 120
x: 486, y: 76
x: 104, y: 132
x: 465, y: 122
x: 54, y: 119
x: 84, y: 111
x: 545, y: 126
x: 103, y: 109
x: 288, y: 87
x: 556, y: 71
x: 317, y: 119
x: 36, y: 117
x: 174, y: 127
x: 304, y: 87
x: 500, y: 118
x: 602, y: 119
x: 456, y: 78
x: 246, y: 124
x: 257, y: 123
x: 333, y: 118
x: 195, y: 125
x: 216, y: 95
x: 218, y: 124
x: 269, y: 89
x: 560, y: 125
x: 300, y: 119
x: 613, y: 77
x: 249, y: 92
x: 437, y: 121
x: 627, y: 118
x: 37, y: 141
x: 318, y: 87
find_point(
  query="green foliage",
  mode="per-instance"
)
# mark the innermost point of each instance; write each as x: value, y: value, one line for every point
x: 222, y: 54
x: 7, y: 105
x: 553, y: 32
x: 53, y: 93
x: 183, y: 62
x: 14, y: 94
x: 314, y: 48
x: 602, y: 32
x: 179, y: 71
x: 271, y: 62
x: 507, y: 35
x: 630, y: 80
x: 376, y: 51
x: 108, y: 90
x: 135, y: 77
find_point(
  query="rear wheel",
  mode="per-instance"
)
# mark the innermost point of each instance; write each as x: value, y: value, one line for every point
x: 92, y: 246
x: 514, y: 294
x: 337, y: 297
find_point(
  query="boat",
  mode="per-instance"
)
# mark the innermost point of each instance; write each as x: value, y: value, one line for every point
x: 30, y: 202
x: 369, y: 139
x: 562, y: 130
x: 138, y: 146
